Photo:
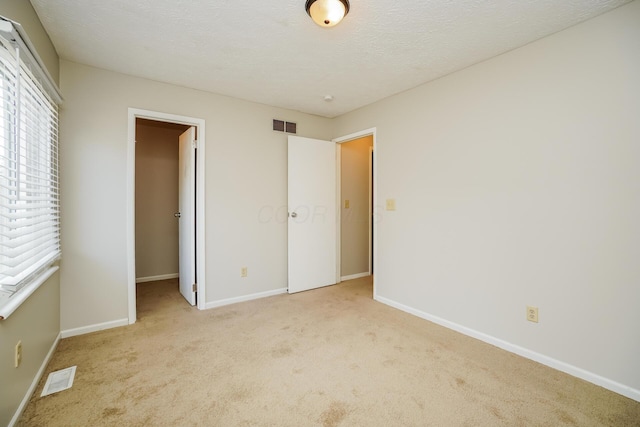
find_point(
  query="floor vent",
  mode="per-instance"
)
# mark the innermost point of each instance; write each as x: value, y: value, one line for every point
x: 59, y: 380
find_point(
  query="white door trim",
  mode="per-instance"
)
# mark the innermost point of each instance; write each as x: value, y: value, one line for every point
x: 133, y: 114
x: 338, y: 141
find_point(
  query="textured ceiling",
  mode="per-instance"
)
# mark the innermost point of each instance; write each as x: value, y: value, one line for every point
x: 271, y: 52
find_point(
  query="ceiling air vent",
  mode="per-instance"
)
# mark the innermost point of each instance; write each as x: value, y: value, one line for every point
x: 282, y: 126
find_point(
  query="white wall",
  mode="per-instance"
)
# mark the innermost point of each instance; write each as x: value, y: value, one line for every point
x: 246, y: 172
x: 517, y: 182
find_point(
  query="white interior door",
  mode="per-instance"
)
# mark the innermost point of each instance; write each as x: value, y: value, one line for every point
x: 187, y: 214
x: 312, y: 213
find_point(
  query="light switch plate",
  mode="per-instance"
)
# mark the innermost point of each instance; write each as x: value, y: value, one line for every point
x: 391, y: 204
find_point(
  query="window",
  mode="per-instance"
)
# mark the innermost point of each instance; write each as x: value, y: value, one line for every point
x: 29, y: 191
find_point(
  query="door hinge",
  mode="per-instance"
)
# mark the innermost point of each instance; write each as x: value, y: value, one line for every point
x: 194, y: 288
x: 194, y: 144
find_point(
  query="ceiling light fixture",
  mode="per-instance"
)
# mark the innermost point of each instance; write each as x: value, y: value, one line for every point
x: 327, y: 13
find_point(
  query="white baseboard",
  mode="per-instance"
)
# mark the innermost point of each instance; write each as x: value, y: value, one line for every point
x: 614, y: 386
x: 94, y: 328
x: 34, y: 383
x: 220, y: 303
x: 355, y: 276
x: 156, y: 278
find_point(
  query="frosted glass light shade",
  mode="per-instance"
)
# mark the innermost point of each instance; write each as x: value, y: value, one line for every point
x: 327, y: 13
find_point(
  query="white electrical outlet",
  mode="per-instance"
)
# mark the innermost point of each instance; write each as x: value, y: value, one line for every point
x: 18, y: 354
x: 532, y: 314
x: 244, y: 272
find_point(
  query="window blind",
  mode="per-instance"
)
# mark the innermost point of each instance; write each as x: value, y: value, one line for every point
x: 29, y: 186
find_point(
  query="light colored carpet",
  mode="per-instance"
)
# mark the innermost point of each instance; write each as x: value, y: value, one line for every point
x: 328, y: 357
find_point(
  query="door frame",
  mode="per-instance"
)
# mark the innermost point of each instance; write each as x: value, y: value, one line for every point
x: 199, y: 124
x: 373, y: 191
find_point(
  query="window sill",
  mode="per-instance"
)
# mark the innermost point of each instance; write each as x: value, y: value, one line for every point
x: 9, y: 306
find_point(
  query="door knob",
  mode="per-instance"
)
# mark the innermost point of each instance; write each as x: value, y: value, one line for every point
x: 293, y: 214
x: 177, y: 214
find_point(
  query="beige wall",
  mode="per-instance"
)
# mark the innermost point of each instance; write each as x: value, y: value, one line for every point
x: 355, y: 160
x: 246, y: 175
x: 517, y: 176
x: 156, y: 198
x: 37, y: 321
x: 22, y: 12
x: 517, y: 183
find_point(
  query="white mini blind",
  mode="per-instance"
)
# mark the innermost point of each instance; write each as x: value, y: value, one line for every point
x: 29, y: 187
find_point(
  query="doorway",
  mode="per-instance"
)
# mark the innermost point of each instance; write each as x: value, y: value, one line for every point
x: 356, y: 208
x: 144, y: 266
x: 357, y: 195
x: 314, y: 175
x: 157, y: 194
